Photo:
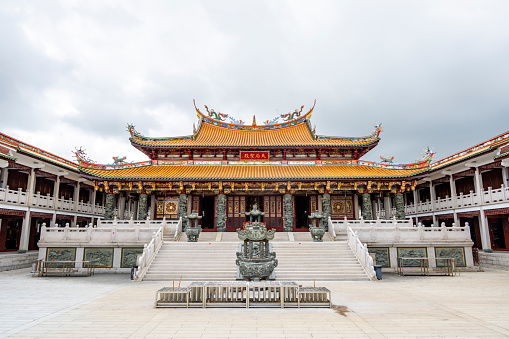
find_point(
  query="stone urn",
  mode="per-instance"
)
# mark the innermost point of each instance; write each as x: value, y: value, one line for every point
x: 255, y: 261
x: 317, y: 231
x: 193, y: 229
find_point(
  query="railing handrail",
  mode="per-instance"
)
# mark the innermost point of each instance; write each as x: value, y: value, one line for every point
x: 149, y: 252
x: 178, y: 231
x: 332, y: 232
x: 361, y: 252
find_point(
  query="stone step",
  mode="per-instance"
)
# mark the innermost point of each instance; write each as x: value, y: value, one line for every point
x: 298, y: 260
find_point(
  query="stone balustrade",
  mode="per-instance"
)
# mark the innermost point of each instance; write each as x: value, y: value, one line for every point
x: 20, y: 198
x: 402, y: 231
x: 93, y: 236
x: 489, y: 196
x: 16, y: 197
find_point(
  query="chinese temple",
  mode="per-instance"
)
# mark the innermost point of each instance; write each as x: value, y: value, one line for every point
x: 227, y: 165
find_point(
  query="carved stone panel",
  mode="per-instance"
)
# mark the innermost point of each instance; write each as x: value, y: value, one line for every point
x: 326, y: 208
x: 288, y: 212
x: 400, y: 206
x: 450, y: 252
x: 412, y: 252
x: 221, y: 213
x: 129, y: 256
x: 109, y: 207
x: 142, y: 207
x: 382, y: 255
x: 366, y: 207
x: 61, y: 254
x: 102, y: 257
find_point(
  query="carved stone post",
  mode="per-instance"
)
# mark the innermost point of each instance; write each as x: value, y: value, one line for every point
x: 221, y: 213
x: 366, y: 207
x: 287, y: 213
x: 326, y: 208
x: 400, y: 206
x: 183, y: 208
x: 142, y: 206
x: 109, y: 207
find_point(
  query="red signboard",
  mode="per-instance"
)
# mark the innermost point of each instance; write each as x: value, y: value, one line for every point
x: 254, y: 155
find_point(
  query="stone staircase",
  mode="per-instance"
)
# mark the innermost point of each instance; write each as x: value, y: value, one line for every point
x: 333, y: 260
x: 213, y: 258
x: 194, y: 261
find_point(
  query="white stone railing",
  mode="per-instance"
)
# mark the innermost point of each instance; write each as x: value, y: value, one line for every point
x: 496, y: 195
x: 399, y: 231
x: 489, y: 196
x: 134, y: 223
x: 65, y: 204
x: 17, y: 197
x: 332, y: 232
x: 401, y: 234
x: 149, y: 252
x: 20, y: 198
x: 44, y: 201
x: 443, y: 204
x: 95, y: 236
x: 361, y: 251
x: 178, y: 230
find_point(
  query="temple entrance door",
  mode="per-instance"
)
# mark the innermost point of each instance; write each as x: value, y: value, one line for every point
x: 304, y: 206
x: 205, y: 206
x: 272, y: 206
x: 235, y: 209
x: 13, y: 233
x: 301, y: 213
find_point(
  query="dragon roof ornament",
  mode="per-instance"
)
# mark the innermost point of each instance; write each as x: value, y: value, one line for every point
x: 81, y: 157
x: 219, y: 119
x: 134, y: 133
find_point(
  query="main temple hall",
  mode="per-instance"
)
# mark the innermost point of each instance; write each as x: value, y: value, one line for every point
x: 223, y: 168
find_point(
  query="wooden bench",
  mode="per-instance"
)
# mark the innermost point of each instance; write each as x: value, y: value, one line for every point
x: 449, y: 267
x: 64, y: 268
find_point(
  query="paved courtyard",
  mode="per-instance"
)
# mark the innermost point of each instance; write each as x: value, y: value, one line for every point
x: 472, y: 305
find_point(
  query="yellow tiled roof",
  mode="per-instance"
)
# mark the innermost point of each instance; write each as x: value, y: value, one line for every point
x: 216, y: 136
x: 254, y: 172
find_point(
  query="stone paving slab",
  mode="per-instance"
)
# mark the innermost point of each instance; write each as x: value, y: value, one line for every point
x: 472, y: 305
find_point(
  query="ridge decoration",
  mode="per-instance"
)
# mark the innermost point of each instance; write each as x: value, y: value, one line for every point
x: 378, y: 129
x: 292, y: 116
x: 82, y: 157
x: 216, y: 116
x: 134, y: 133
x: 387, y: 159
x: 119, y: 161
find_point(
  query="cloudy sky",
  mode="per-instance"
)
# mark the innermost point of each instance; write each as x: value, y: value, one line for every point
x: 74, y: 73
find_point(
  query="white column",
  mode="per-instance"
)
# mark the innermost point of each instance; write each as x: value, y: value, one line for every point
x: 478, y: 182
x: 4, y: 175
x: 505, y: 175
x: 93, y: 195
x: 452, y: 185
x: 25, y: 229
x: 485, y: 233
x: 76, y: 196
x: 432, y: 195
x: 387, y: 207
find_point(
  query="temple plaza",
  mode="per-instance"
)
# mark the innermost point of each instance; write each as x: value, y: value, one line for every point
x: 471, y: 305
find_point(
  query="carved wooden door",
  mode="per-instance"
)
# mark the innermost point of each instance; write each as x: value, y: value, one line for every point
x: 235, y: 209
